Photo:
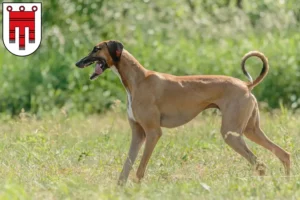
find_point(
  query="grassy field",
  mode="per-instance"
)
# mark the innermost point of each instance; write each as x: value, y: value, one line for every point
x: 64, y: 157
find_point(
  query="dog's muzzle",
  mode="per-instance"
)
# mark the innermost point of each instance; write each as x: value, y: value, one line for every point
x: 87, y: 61
x: 100, y: 67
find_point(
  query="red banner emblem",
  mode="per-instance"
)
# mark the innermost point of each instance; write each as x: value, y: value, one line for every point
x: 22, y: 29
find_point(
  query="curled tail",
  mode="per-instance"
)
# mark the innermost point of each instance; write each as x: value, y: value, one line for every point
x: 263, y: 72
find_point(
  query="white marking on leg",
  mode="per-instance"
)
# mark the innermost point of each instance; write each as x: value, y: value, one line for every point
x: 231, y: 133
x: 129, y: 99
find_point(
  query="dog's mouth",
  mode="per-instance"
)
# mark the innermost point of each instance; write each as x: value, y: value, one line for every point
x: 99, y: 69
x: 100, y: 66
x: 88, y: 64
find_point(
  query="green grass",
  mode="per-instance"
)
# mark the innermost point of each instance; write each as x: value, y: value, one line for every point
x: 63, y: 157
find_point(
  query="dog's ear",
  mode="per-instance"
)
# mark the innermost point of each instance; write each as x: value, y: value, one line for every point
x: 115, y: 49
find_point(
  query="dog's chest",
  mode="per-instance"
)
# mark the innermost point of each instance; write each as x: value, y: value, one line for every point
x: 129, y: 98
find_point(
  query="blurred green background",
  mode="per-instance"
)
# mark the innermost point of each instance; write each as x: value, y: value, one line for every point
x: 181, y: 37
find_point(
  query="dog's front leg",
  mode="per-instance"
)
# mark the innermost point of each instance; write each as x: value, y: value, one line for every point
x: 138, y: 137
x: 152, y: 137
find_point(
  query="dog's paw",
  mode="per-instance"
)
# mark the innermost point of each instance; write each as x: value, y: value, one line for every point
x: 261, y: 169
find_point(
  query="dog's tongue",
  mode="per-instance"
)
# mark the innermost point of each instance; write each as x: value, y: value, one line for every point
x: 98, y: 71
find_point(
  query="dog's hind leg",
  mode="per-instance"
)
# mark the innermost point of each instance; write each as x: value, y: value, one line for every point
x: 254, y: 133
x: 234, y: 120
x: 138, y: 138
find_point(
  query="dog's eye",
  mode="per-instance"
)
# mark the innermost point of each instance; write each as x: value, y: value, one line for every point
x: 96, y: 49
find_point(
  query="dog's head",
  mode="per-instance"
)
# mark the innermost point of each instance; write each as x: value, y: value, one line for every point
x: 105, y: 54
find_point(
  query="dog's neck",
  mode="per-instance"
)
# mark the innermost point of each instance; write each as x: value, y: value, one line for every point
x: 130, y: 71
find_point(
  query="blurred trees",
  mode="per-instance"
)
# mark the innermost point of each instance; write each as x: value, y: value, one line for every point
x: 179, y: 36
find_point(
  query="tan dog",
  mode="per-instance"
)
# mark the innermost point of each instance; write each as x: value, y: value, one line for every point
x: 158, y: 100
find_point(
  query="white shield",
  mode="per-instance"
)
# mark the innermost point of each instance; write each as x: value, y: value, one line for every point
x: 22, y: 27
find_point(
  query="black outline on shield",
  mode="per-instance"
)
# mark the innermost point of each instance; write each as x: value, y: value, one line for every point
x: 41, y: 26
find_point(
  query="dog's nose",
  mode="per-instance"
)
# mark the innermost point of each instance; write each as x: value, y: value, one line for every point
x: 78, y: 64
